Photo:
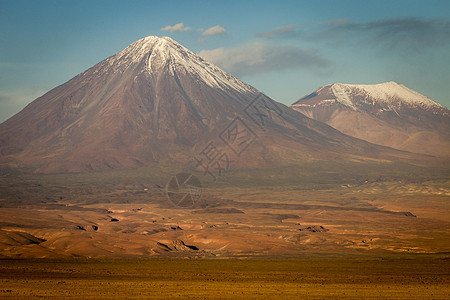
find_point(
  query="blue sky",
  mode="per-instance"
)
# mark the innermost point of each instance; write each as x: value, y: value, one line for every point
x: 286, y: 49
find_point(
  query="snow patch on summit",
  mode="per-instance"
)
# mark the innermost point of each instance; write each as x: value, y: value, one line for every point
x: 342, y: 95
x: 157, y: 53
x: 390, y: 94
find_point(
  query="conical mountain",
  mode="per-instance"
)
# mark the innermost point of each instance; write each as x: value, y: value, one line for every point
x: 158, y: 103
x: 388, y: 114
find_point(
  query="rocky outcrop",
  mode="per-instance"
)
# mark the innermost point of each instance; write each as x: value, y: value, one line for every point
x: 313, y: 228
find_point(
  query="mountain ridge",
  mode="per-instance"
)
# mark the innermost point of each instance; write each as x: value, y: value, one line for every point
x: 388, y: 114
x: 388, y: 93
x: 157, y: 103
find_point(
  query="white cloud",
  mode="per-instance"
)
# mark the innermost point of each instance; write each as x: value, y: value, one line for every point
x: 215, y: 30
x: 259, y: 57
x: 176, y: 27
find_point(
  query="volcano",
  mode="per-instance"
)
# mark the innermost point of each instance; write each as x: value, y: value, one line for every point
x: 157, y: 103
x: 388, y: 114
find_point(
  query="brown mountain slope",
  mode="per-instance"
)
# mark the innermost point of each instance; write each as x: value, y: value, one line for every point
x: 387, y: 114
x: 156, y: 102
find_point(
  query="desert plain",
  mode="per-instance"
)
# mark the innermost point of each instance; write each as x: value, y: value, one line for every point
x: 302, y: 231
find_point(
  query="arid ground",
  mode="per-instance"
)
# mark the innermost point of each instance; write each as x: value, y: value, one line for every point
x: 393, y: 278
x: 104, y: 215
x: 305, y: 231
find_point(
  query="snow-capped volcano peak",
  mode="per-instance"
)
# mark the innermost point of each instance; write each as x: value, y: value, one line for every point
x: 387, y: 96
x: 387, y: 113
x: 154, y: 54
x: 387, y: 93
x: 149, y: 45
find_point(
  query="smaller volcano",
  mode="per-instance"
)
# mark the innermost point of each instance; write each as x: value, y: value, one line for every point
x: 388, y: 114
